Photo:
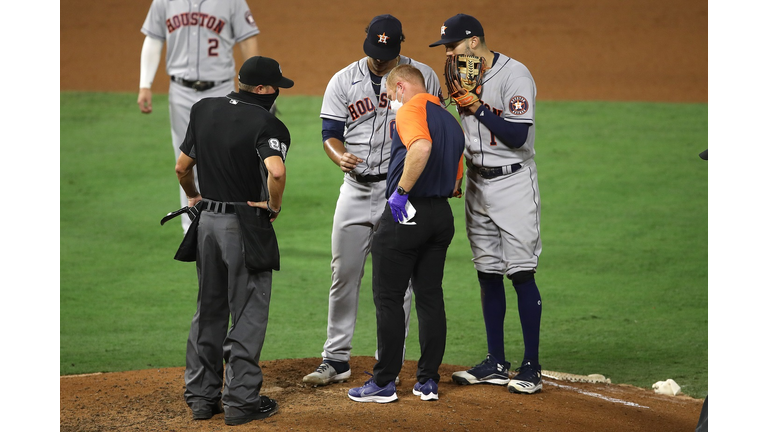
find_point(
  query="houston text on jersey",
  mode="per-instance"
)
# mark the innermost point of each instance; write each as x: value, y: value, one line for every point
x: 365, y: 105
x: 200, y: 19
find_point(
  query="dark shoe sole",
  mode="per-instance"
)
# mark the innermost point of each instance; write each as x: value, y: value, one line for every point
x: 244, y: 420
x: 207, y: 414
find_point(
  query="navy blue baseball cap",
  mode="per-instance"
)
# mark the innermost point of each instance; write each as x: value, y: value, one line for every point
x: 457, y: 28
x: 383, y: 39
x: 259, y: 70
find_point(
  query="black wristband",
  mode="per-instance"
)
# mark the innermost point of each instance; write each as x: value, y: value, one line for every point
x: 271, y: 210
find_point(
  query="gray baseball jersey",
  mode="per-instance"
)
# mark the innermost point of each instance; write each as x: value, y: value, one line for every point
x: 370, y: 124
x: 510, y: 92
x: 200, y: 36
x: 503, y: 213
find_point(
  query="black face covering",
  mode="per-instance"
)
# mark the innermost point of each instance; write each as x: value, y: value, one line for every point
x: 266, y: 100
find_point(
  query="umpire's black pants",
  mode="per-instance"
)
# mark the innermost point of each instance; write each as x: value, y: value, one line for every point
x: 416, y: 252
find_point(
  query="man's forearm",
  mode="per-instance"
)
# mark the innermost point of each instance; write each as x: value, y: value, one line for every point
x: 335, y: 149
x: 276, y: 188
x: 187, y: 182
x: 415, y: 161
x: 275, y: 182
x: 249, y: 47
x: 186, y: 175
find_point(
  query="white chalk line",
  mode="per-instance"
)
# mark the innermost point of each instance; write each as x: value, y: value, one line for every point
x: 597, y: 395
x: 81, y: 375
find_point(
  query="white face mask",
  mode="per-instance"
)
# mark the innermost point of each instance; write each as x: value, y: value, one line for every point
x: 395, y: 104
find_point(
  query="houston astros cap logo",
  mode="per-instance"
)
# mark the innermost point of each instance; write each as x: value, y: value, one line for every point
x: 442, y: 30
x: 383, y: 37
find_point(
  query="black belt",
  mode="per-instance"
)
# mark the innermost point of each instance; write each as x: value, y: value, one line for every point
x: 228, y: 208
x: 368, y: 178
x: 493, y: 172
x: 197, y: 85
x: 219, y: 207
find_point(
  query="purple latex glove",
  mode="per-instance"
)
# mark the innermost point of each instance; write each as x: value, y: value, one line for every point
x: 397, y: 206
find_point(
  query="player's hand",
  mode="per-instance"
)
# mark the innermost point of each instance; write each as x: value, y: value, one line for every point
x: 467, y: 100
x: 191, y: 202
x: 348, y: 162
x: 397, y: 206
x: 265, y: 205
x: 145, y: 100
x: 457, y: 188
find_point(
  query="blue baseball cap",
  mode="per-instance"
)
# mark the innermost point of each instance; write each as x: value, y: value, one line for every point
x: 457, y: 28
x: 383, y: 39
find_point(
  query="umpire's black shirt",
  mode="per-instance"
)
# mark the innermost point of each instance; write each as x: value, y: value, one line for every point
x: 226, y: 136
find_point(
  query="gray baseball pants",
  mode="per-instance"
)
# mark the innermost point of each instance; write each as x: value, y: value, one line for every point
x: 226, y: 288
x: 358, y: 211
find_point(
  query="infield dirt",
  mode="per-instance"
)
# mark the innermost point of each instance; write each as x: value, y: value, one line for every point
x: 633, y: 50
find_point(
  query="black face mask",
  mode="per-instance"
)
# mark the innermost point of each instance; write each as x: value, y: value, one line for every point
x: 266, y: 100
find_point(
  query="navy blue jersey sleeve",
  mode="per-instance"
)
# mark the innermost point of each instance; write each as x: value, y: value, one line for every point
x: 512, y: 135
x: 333, y: 129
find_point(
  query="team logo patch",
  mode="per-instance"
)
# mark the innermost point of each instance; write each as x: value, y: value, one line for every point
x: 249, y: 19
x: 518, y: 105
x: 442, y: 30
x: 383, y: 38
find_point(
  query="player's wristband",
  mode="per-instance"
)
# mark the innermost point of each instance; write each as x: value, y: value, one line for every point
x: 271, y: 210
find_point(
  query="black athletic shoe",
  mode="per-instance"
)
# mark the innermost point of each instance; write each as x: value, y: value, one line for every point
x: 267, y: 408
x: 207, y: 413
x: 528, y: 379
x: 489, y: 371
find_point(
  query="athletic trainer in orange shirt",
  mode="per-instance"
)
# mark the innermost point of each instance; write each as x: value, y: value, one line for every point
x: 425, y: 169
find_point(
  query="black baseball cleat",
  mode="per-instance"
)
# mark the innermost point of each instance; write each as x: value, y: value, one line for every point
x: 489, y: 371
x: 528, y: 379
x: 208, y: 412
x: 267, y: 408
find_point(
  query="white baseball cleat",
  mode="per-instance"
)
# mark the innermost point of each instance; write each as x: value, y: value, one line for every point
x: 325, y: 374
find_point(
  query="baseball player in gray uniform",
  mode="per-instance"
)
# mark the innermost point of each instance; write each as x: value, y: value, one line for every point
x: 502, y: 202
x: 200, y: 35
x: 357, y: 134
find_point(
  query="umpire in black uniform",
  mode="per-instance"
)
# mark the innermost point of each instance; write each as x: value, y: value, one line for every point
x: 424, y: 170
x: 239, y: 148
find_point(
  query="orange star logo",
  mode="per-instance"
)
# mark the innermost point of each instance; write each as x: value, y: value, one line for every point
x: 383, y: 38
x: 442, y: 30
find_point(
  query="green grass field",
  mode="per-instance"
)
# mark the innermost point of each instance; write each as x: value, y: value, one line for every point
x: 623, y: 273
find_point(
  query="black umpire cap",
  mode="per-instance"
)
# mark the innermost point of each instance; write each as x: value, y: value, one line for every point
x: 260, y: 70
x: 385, y: 33
x: 457, y: 28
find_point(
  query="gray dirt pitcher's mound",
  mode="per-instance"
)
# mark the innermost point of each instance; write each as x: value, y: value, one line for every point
x: 152, y: 400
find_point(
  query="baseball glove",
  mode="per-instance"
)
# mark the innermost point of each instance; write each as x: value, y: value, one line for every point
x: 463, y: 75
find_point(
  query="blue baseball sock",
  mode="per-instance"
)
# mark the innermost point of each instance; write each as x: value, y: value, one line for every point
x: 529, y: 307
x: 494, y: 302
x: 339, y: 367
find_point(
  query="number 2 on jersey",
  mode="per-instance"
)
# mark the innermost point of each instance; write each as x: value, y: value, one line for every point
x: 213, y: 45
